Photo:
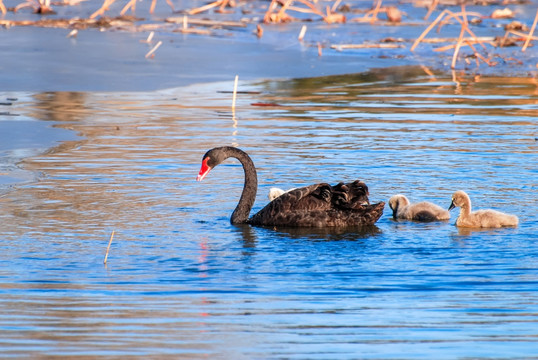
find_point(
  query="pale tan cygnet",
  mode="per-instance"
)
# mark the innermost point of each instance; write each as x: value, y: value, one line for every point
x: 422, y: 211
x: 481, y: 218
x: 275, y: 192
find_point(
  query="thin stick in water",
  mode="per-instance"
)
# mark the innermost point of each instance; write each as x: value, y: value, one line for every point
x: 102, y: 9
x: 131, y: 4
x: 150, y: 37
x: 335, y: 5
x: 460, y: 39
x: 302, y: 33
x: 529, y: 37
x: 425, y: 32
x: 235, y: 92
x: 154, y: 49
x: 108, y: 247
x: 73, y: 33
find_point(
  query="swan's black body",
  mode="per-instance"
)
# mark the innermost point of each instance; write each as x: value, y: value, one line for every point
x: 319, y: 205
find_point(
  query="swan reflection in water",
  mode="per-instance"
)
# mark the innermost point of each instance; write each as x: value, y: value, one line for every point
x: 249, y: 235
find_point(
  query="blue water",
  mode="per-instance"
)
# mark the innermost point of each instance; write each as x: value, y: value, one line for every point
x: 181, y: 282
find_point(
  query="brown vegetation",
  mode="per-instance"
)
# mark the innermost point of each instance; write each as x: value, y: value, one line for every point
x: 203, y: 20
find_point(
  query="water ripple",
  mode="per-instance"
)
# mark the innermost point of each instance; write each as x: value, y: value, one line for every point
x: 181, y: 282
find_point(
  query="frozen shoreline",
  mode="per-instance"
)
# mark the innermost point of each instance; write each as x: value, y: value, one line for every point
x: 113, y: 58
x: 115, y: 61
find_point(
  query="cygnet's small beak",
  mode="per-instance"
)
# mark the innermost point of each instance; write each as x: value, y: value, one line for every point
x: 452, y: 206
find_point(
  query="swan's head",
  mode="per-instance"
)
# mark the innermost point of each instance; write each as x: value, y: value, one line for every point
x: 459, y: 199
x: 211, y: 159
x: 397, y: 201
x: 217, y: 155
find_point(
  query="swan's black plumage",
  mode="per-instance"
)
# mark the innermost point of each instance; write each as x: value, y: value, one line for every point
x: 318, y: 205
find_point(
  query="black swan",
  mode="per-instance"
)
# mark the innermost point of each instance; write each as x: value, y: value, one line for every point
x: 319, y: 205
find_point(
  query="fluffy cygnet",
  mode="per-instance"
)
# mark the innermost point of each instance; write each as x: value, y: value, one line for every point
x: 422, y: 211
x: 276, y: 192
x: 481, y: 218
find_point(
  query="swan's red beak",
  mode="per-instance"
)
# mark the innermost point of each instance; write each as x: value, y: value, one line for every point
x: 204, y: 170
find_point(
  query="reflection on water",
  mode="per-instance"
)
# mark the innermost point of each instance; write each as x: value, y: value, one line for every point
x: 181, y: 282
x: 329, y: 234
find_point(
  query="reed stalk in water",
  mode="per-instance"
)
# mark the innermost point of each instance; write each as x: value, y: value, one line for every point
x: 529, y: 37
x: 234, y: 96
x: 150, y: 53
x: 108, y: 247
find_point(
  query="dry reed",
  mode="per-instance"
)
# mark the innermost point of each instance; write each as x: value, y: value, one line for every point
x: 131, y: 4
x: 302, y: 33
x: 234, y: 96
x: 462, y: 18
x: 279, y: 11
x: 72, y: 33
x: 530, y: 32
x: 102, y: 9
x: 366, y: 46
x: 149, y: 38
x: 152, y: 51
x: 108, y: 247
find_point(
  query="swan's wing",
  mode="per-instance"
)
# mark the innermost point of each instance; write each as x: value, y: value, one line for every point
x: 360, y: 215
x: 350, y: 196
x: 320, y: 197
x: 359, y: 193
x: 313, y: 197
x: 295, y: 203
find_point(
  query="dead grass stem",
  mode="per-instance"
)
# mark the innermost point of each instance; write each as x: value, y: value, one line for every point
x: 131, y: 4
x: 529, y: 37
x: 152, y: 51
x: 108, y: 247
x: 278, y: 12
x: 302, y: 33
x: 234, y: 95
x: 102, y: 9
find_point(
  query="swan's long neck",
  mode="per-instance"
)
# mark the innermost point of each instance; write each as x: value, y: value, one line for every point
x: 395, y: 210
x: 401, y: 203
x: 248, y: 196
x: 466, y: 207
